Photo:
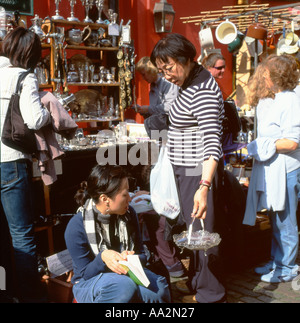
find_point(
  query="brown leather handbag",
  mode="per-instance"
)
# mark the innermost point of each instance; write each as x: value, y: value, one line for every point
x: 15, y: 133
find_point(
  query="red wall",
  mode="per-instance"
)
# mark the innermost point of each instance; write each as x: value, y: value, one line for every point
x: 140, y: 12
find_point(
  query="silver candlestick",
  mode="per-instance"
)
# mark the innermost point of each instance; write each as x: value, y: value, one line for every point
x: 110, y: 14
x: 72, y: 18
x: 88, y: 4
x: 57, y: 15
x: 99, y: 5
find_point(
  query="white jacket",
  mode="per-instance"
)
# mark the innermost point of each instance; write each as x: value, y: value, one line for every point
x: 267, y: 188
x: 32, y: 110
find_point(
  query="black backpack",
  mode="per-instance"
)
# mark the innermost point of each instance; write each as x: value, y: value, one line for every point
x: 232, y: 122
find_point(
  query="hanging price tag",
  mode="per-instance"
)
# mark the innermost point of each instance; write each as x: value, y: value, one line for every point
x: 126, y: 34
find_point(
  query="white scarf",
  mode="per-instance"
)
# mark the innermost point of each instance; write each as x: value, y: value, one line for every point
x: 98, y: 235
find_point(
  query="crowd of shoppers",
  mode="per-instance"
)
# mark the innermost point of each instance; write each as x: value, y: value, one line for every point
x: 106, y: 230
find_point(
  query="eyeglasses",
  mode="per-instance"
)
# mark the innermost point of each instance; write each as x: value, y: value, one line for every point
x: 167, y: 70
x: 219, y: 68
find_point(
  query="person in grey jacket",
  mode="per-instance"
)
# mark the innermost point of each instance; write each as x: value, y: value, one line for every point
x: 21, y: 50
x: 162, y: 92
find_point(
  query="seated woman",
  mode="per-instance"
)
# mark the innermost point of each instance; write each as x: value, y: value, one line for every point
x: 103, y: 232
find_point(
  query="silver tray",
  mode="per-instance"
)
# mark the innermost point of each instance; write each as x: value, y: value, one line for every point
x: 199, y: 240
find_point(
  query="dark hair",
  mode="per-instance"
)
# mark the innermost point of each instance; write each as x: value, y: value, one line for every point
x: 22, y: 47
x: 173, y: 46
x: 102, y: 180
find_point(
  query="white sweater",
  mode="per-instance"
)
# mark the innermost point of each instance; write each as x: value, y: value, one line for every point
x: 33, y: 112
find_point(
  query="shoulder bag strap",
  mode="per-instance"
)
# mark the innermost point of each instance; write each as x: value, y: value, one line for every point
x: 21, y: 79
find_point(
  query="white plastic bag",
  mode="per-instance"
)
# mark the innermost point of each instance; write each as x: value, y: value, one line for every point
x: 142, y: 203
x: 163, y: 191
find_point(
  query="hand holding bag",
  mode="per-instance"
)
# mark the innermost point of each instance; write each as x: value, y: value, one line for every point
x: 163, y: 190
x: 15, y: 133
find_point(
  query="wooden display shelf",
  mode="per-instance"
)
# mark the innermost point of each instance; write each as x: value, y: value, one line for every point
x: 83, y: 47
x: 93, y: 84
x: 45, y: 46
x: 94, y: 48
x: 98, y: 119
x: 49, y: 229
x: 46, y: 86
x: 78, y: 24
x: 104, y: 51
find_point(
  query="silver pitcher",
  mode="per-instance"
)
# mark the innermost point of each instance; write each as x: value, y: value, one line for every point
x: 76, y: 36
x: 36, y: 27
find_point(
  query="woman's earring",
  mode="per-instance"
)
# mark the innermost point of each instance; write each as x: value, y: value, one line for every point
x: 107, y: 208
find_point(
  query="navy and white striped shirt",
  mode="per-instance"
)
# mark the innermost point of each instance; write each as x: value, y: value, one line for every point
x: 196, y: 120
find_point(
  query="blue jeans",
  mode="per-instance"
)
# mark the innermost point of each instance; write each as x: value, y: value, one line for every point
x: 16, y: 199
x: 114, y: 288
x: 285, y: 239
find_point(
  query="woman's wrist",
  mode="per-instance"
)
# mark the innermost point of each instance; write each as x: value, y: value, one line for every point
x: 205, y: 183
x: 203, y: 187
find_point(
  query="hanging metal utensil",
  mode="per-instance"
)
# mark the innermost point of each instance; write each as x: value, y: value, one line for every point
x: 190, y: 231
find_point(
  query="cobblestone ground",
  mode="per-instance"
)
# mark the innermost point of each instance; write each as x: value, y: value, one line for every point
x: 246, y: 287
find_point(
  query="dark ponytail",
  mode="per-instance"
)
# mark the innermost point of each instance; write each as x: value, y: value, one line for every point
x: 81, y: 195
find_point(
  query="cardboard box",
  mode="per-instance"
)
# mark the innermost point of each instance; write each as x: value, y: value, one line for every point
x: 59, y: 289
x: 59, y: 286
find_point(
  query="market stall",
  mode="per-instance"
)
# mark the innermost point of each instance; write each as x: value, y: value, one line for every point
x: 88, y: 63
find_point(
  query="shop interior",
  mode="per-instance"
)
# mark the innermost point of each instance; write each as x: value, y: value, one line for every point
x: 90, y: 49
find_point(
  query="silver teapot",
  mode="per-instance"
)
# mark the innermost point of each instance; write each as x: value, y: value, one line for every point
x: 77, y: 36
x: 37, y: 24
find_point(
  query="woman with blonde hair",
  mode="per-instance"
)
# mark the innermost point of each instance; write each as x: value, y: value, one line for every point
x: 275, y: 179
x: 144, y: 65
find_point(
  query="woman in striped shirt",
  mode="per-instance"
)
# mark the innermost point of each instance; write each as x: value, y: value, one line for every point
x: 195, y: 151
